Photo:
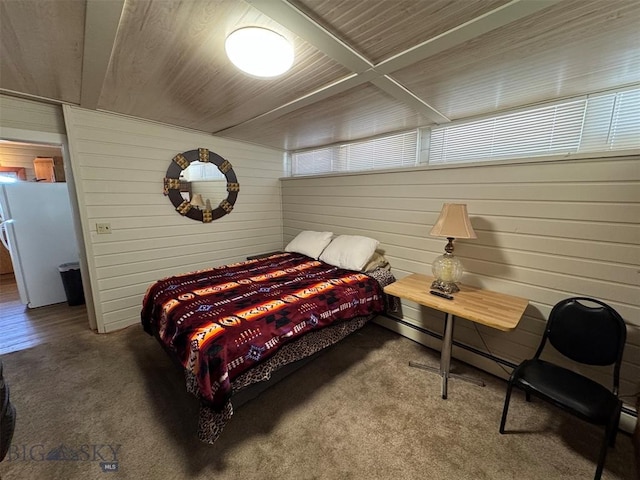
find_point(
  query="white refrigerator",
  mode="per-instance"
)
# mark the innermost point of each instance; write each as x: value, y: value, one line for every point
x: 36, y: 225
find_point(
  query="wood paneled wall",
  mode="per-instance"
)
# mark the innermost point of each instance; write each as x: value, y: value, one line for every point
x: 29, y: 115
x: 546, y: 231
x: 119, y: 164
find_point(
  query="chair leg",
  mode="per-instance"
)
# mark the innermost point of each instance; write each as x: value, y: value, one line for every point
x: 610, y: 432
x: 505, y: 409
x: 603, y: 454
x: 527, y: 395
x: 614, y: 433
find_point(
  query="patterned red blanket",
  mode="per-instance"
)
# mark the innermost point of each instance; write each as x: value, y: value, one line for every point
x: 220, y: 322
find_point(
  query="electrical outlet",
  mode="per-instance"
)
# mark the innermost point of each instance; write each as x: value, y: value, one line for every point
x: 103, y: 228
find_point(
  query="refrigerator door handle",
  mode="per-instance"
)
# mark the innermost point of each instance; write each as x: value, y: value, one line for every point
x: 3, y: 233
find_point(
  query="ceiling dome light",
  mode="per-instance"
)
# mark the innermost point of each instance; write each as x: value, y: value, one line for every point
x: 259, y: 52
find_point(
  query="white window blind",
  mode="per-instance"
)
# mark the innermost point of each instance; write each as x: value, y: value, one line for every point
x: 543, y: 131
x: 612, y: 122
x: 313, y: 162
x: 399, y: 150
x: 595, y: 123
x: 601, y: 122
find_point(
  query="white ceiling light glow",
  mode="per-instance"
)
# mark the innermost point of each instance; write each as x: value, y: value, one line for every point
x: 259, y: 52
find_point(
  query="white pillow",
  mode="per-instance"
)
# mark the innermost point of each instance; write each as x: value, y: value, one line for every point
x: 349, y: 251
x: 309, y: 243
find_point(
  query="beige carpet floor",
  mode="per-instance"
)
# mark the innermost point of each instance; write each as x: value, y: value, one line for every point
x: 356, y: 412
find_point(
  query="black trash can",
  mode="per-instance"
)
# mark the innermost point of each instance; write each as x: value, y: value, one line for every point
x: 72, y: 281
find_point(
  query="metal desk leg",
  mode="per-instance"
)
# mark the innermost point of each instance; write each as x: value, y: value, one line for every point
x: 445, y: 360
x: 445, y: 355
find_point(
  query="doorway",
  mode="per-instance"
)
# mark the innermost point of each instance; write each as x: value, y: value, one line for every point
x: 26, y: 327
x: 31, y: 162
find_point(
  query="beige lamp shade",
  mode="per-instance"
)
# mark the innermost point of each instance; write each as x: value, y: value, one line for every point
x: 453, y: 222
x: 197, y: 200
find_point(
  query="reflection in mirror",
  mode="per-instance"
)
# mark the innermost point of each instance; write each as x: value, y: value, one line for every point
x: 205, y: 180
x: 201, y: 185
x: 202, y: 172
x: 215, y: 192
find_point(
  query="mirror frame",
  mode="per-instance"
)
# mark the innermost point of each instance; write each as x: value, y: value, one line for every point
x: 172, y: 185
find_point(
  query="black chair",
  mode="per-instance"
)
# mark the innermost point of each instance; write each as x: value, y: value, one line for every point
x: 593, y: 335
x: 7, y: 417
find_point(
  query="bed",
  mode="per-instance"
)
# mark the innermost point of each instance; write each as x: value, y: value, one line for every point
x: 233, y: 326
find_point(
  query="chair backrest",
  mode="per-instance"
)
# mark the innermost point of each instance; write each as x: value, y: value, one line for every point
x: 594, y: 335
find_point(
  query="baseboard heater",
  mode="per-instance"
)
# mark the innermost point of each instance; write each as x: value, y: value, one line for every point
x: 625, y: 410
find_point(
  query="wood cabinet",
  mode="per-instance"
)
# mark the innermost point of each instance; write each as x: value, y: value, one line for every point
x: 44, y: 171
x: 49, y: 169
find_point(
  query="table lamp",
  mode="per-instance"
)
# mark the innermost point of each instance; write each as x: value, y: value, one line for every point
x: 452, y: 223
x: 197, y: 201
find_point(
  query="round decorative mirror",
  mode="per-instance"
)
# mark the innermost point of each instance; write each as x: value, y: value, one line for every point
x: 199, y: 178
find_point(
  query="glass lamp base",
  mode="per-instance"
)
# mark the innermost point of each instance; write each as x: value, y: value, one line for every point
x: 447, y: 270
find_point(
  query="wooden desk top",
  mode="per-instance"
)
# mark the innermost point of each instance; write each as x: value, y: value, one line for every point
x: 494, y: 309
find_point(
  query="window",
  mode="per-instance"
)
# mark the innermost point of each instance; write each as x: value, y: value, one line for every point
x: 313, y: 162
x: 398, y: 150
x: 612, y: 122
x: 597, y: 123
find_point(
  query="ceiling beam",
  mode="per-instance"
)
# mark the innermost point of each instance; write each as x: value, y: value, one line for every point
x: 100, y: 28
x: 310, y: 31
x: 305, y: 27
x: 397, y: 91
x: 364, y: 71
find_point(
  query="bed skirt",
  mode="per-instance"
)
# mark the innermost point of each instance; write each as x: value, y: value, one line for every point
x: 211, y: 422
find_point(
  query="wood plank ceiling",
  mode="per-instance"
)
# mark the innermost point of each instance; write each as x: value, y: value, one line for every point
x: 362, y: 68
